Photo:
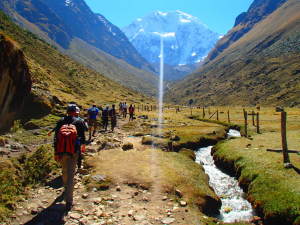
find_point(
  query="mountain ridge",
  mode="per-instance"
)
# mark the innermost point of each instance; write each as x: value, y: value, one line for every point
x: 264, y: 62
x: 58, y: 33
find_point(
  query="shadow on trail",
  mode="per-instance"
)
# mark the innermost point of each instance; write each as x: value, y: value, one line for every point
x: 53, y: 215
x: 56, y: 183
x: 296, y: 169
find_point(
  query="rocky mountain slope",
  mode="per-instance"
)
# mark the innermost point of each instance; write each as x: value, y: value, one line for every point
x: 261, y: 67
x: 15, y: 82
x: 56, y: 78
x: 258, y: 10
x: 186, y: 39
x: 63, y: 23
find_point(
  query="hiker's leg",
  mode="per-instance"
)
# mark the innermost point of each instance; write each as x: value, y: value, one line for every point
x: 71, y: 166
x: 95, y: 127
x: 63, y: 162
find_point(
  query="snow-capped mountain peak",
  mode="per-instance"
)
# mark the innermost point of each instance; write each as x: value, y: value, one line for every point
x: 187, y: 39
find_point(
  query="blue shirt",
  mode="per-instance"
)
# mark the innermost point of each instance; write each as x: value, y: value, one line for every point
x: 93, y: 112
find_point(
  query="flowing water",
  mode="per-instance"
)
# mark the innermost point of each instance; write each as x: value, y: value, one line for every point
x: 234, y: 206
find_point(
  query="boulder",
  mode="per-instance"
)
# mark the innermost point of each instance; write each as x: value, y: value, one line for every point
x: 127, y: 146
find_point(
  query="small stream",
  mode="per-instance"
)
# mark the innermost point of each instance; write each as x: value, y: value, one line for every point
x: 235, y: 207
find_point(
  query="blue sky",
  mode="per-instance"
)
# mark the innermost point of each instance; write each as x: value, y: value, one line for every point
x: 219, y: 15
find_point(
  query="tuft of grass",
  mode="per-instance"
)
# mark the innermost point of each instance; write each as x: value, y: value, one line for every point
x: 16, y: 126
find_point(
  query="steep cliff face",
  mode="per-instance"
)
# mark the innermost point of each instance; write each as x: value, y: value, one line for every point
x: 15, y: 82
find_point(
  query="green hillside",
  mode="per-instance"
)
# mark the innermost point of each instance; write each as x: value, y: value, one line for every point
x: 55, y: 74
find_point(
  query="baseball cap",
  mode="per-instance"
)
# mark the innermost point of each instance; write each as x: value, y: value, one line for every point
x: 71, y: 108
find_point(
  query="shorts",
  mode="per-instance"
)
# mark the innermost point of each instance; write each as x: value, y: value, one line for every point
x: 92, y: 122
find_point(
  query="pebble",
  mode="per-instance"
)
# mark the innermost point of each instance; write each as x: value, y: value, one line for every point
x: 138, y: 217
x: 96, y: 201
x: 165, y: 198
x: 168, y: 220
x: 130, y: 213
x: 75, y: 216
x: 85, y: 196
x: 183, y: 203
x: 145, y: 199
x: 118, y: 188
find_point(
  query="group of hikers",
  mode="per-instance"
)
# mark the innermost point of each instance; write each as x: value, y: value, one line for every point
x: 123, y: 110
x: 69, y: 139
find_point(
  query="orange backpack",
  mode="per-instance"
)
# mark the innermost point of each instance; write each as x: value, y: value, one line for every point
x: 66, y: 139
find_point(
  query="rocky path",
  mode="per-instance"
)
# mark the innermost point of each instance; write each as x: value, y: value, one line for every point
x: 123, y: 204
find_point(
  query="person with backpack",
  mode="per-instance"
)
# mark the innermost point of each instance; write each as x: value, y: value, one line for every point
x: 69, y: 141
x: 113, y: 117
x: 92, y: 120
x: 131, y: 112
x: 105, y: 114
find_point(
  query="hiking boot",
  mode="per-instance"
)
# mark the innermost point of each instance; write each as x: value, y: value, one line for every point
x: 69, y: 206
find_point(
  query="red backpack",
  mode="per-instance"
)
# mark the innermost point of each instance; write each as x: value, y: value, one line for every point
x: 66, y: 139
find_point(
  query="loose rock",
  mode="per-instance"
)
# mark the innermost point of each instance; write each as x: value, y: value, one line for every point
x: 168, y: 220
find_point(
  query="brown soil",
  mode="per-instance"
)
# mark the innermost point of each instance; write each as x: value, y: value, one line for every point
x: 122, y: 203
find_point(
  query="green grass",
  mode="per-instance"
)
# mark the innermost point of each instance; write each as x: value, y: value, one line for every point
x: 272, y: 189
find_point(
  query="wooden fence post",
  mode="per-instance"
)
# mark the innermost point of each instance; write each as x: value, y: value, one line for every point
x: 203, y: 112
x: 217, y: 114
x: 253, y: 115
x: 246, y: 122
x: 228, y: 116
x: 257, y: 123
x: 286, y: 158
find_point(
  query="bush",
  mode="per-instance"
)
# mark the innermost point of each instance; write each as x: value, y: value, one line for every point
x: 38, y: 165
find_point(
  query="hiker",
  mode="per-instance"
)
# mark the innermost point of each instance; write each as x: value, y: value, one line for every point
x: 124, y: 110
x: 105, y: 117
x: 120, y: 108
x: 113, y: 117
x: 69, y: 140
x: 86, y: 128
x: 92, y: 120
x: 131, y: 112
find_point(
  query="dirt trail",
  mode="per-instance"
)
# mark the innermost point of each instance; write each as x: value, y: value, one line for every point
x: 123, y: 204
